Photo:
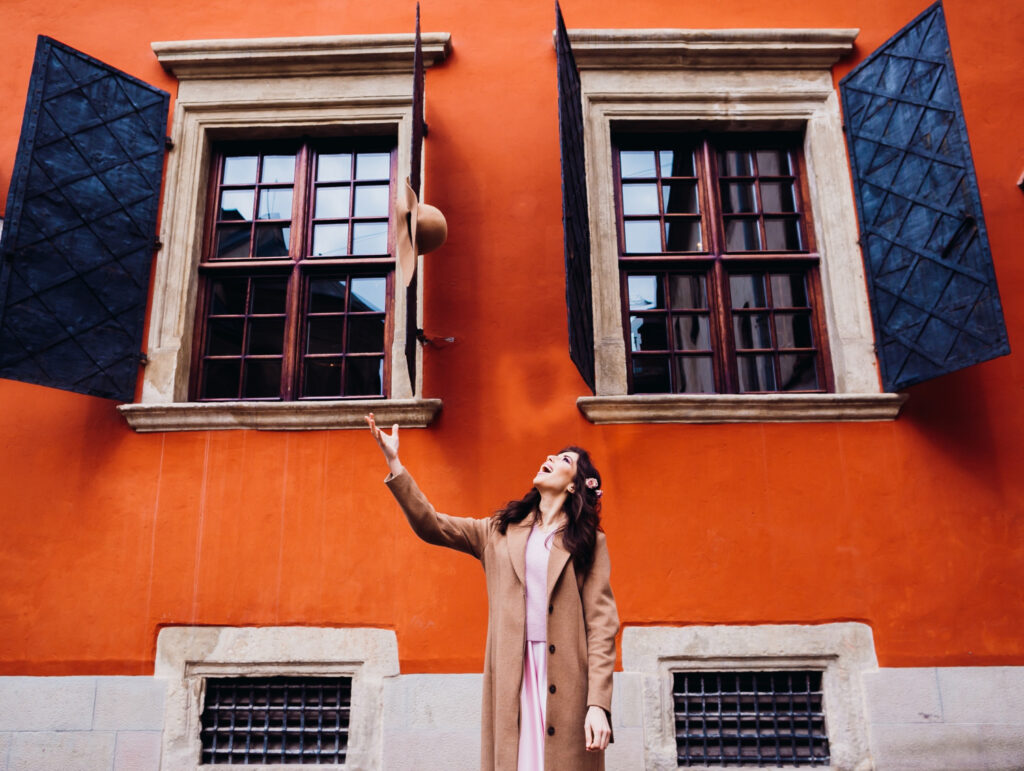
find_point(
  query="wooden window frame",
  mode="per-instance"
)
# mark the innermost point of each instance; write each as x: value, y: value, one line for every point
x: 300, y: 265
x: 714, y: 261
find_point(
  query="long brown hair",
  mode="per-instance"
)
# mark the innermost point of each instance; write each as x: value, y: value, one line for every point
x: 582, y: 508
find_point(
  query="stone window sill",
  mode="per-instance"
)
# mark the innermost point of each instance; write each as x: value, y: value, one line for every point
x: 279, y: 416
x: 736, y: 408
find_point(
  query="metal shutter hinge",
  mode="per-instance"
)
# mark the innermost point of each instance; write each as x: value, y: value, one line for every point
x: 157, y: 244
x: 143, y: 358
x: 168, y: 143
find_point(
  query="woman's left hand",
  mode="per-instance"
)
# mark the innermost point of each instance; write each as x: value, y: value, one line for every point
x: 596, y: 729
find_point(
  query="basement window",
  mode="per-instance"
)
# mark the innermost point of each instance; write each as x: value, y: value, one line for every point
x: 750, y: 719
x: 276, y: 720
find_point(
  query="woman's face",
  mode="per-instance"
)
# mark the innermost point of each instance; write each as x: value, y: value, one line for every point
x: 557, y: 473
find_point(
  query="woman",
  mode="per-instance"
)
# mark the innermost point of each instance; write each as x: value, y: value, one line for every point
x: 552, y: 619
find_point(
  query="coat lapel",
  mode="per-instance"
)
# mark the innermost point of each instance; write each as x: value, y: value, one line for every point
x: 516, y: 537
x: 556, y: 563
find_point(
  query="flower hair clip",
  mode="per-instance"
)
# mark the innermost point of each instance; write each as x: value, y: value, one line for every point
x: 591, y: 483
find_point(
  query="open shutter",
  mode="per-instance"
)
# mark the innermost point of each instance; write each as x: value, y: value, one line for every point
x: 930, y: 276
x: 419, y: 130
x: 575, y: 219
x: 81, y: 222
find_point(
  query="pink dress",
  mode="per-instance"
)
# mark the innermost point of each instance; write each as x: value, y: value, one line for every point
x: 534, y: 693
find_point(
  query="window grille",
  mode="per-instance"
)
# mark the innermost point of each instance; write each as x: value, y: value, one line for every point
x: 276, y: 720
x: 749, y: 719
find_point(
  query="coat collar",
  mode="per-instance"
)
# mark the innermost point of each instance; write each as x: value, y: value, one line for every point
x: 516, y: 537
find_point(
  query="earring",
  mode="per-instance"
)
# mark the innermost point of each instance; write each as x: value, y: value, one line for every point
x: 571, y: 488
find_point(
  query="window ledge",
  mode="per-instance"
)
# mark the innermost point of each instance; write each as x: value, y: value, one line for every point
x: 279, y: 416
x: 735, y: 408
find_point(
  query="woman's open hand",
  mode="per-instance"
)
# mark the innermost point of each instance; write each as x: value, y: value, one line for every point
x: 388, y: 443
x: 596, y: 729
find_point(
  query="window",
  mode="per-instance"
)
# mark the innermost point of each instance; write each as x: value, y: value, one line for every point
x: 719, y: 271
x: 297, y: 275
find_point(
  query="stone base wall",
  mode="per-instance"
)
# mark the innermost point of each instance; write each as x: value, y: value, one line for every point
x: 953, y: 719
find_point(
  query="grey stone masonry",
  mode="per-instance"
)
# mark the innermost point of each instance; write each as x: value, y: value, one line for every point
x: 946, y: 719
x: 87, y: 723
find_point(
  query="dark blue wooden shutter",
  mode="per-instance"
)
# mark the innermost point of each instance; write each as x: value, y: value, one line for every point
x: 575, y: 219
x: 80, y: 226
x: 930, y: 276
x: 419, y: 130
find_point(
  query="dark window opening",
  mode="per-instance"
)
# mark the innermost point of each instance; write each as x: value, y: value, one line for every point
x: 275, y: 720
x: 720, y: 284
x: 295, y: 291
x: 750, y: 719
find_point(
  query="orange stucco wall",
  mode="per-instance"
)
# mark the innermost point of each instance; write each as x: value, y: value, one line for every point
x: 915, y: 527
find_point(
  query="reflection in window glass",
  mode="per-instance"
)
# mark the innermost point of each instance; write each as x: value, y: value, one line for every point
x: 327, y: 295
x: 368, y: 294
x: 648, y: 333
x: 643, y: 236
x: 334, y: 168
x: 692, y: 332
x: 772, y: 162
x: 694, y: 375
x: 373, y: 165
x: 639, y: 199
x: 735, y: 163
x: 644, y: 292
x: 788, y: 290
x: 637, y: 163
x: 330, y: 240
x: 372, y: 200
x: 240, y: 170
x: 332, y: 202
x: 236, y: 204
x: 688, y: 291
x: 278, y: 168
x: 370, y: 238
x: 275, y: 204
x: 747, y: 291
x: 682, y: 235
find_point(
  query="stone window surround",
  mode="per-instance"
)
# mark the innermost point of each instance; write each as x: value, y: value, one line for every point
x: 187, y: 655
x: 268, y: 88
x: 765, y: 79
x: 843, y: 652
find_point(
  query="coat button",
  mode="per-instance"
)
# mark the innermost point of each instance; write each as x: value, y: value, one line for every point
x: 551, y: 689
x: 551, y: 649
x: 551, y: 730
x: 551, y: 608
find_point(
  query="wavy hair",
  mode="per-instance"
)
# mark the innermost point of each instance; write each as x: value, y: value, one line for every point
x: 582, y: 508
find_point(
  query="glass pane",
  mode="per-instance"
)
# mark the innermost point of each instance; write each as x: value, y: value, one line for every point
x: 788, y: 290
x: 777, y: 196
x: 278, y: 168
x: 692, y: 332
x: 275, y: 204
x: 272, y: 240
x: 327, y: 295
x: 640, y: 199
x: 772, y: 162
x: 636, y: 163
x: 694, y: 375
x: 269, y: 295
x: 232, y: 241
x: 262, y: 378
x: 793, y: 330
x: 364, y: 376
x: 368, y: 294
x: 643, y: 236
x: 687, y: 291
x: 681, y: 198
x: 325, y: 334
x: 650, y: 375
x: 221, y: 379
x: 676, y: 164
x: 648, y: 333
x: 373, y: 166
x: 738, y: 197
x: 747, y: 290
x: 781, y: 235
x: 236, y: 204
x: 330, y: 240
x: 798, y: 372
x: 742, y: 235
x: 644, y: 293
x: 332, y: 202
x: 322, y: 377
x: 756, y: 373
x: 266, y: 336
x: 751, y: 330
x: 240, y: 170
x: 369, y: 237
x: 224, y: 337
x: 372, y: 200
x: 734, y: 163
x: 334, y: 168
x: 365, y: 334
x: 683, y: 234
x: 227, y: 296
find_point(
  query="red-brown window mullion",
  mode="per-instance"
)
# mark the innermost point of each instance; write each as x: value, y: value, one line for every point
x: 718, y: 296
x: 291, y: 354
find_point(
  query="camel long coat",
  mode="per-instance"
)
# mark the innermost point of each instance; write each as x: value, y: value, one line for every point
x: 582, y: 623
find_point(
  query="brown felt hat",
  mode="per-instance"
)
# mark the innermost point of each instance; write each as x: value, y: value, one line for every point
x: 421, y: 229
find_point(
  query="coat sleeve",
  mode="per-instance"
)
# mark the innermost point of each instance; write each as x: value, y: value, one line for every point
x: 602, y: 620
x: 464, y: 534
